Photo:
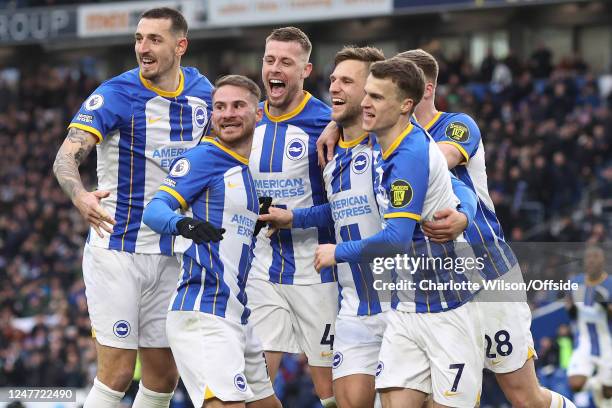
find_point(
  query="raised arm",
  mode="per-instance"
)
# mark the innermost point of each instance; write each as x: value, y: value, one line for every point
x: 76, y: 147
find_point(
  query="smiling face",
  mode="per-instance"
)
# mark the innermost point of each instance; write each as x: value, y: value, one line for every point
x: 158, y: 49
x: 285, y: 66
x: 235, y: 114
x: 382, y: 104
x: 346, y: 89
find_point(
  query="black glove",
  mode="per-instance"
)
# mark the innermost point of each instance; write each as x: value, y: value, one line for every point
x: 199, y: 231
x: 264, y: 207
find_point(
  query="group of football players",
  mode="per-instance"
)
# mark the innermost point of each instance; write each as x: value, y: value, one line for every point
x: 269, y: 217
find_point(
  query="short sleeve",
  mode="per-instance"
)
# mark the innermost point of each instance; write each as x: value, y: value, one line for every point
x: 463, y: 133
x: 189, y: 175
x: 406, y: 184
x: 103, y: 111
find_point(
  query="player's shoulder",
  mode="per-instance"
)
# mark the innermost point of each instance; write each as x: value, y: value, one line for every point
x: 316, y: 107
x: 459, y: 122
x: 412, y: 142
x: 195, y: 79
x: 120, y: 85
x: 578, y: 279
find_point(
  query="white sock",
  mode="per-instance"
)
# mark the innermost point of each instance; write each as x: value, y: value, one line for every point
x: 329, y: 402
x: 559, y: 401
x: 101, y: 396
x: 145, y: 398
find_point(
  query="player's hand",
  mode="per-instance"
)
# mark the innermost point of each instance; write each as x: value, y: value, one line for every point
x: 88, y: 204
x: 277, y: 218
x: 325, y: 255
x: 264, y: 207
x: 448, y: 224
x: 199, y: 231
x: 327, y: 141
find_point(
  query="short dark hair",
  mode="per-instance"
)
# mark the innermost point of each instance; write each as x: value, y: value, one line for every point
x: 239, y: 81
x: 291, y: 34
x: 179, y: 24
x: 364, y: 54
x: 404, y: 73
x: 425, y: 61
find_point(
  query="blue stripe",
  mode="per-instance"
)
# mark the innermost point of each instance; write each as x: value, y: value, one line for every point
x: 593, y: 338
x: 130, y: 188
x: 589, y: 295
x: 216, y: 292
x: 181, y: 127
x: 282, y: 269
x: 251, y: 193
x: 363, y: 278
x: 273, y: 148
x: 243, y: 273
x: 189, y: 285
x: 341, y: 178
x: 166, y: 244
x: 486, y: 236
x: 319, y: 196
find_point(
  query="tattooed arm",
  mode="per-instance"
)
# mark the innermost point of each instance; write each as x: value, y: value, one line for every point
x: 76, y: 147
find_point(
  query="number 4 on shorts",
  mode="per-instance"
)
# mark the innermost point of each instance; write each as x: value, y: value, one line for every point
x: 328, y: 339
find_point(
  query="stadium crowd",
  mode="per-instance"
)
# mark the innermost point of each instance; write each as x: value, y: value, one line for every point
x: 547, y: 134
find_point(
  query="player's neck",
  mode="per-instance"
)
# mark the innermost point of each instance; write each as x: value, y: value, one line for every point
x: 169, y: 82
x: 386, y: 137
x: 425, y: 112
x: 352, y: 131
x: 241, y: 148
x: 597, y: 279
x: 290, y: 107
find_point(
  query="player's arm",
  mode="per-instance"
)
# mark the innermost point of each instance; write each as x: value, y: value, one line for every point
x: 394, y: 239
x: 280, y: 218
x: 326, y: 142
x: 189, y: 175
x: 401, y: 216
x: 449, y: 223
x: 161, y: 217
x: 452, y: 154
x: 75, y: 148
x: 460, y: 140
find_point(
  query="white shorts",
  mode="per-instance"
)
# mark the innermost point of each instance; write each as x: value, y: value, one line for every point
x: 435, y: 353
x: 508, y: 343
x: 128, y: 296
x: 217, y: 358
x: 295, y: 318
x: 357, y: 344
x: 584, y: 364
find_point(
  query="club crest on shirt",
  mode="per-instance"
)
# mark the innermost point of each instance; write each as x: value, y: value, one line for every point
x: 458, y: 132
x: 401, y: 193
x: 94, y: 102
x: 360, y: 163
x: 200, y: 115
x: 180, y: 168
x: 296, y: 149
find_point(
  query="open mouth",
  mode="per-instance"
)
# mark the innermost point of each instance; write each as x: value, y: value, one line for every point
x: 277, y: 87
x: 338, y: 101
x: 147, y: 61
x: 230, y: 126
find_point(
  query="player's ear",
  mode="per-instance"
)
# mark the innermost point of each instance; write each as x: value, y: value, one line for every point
x: 307, y: 70
x: 430, y: 89
x: 181, y: 46
x: 406, y: 106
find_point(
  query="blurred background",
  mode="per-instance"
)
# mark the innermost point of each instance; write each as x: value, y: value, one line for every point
x: 535, y: 74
